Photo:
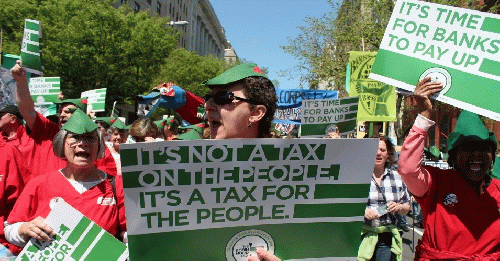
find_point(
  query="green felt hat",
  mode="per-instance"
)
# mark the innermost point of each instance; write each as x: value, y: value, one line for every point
x: 117, y: 123
x: 469, y: 128
x: 108, y: 120
x: 80, y: 103
x: 190, y: 135
x: 235, y: 73
x: 170, y: 121
x: 79, y: 123
x: 196, y: 127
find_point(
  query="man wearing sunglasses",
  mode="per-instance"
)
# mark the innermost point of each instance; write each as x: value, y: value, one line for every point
x: 241, y: 104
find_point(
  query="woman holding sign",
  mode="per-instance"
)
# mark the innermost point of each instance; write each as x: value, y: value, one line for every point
x: 80, y: 184
x: 241, y: 104
x: 380, y: 239
x: 460, y: 205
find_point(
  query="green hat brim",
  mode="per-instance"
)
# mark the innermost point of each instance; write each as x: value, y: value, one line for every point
x: 190, y: 135
x: 77, y: 102
x: 469, y: 128
x: 235, y: 74
x: 79, y: 123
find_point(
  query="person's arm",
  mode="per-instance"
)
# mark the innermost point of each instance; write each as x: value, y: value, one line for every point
x: 417, y: 179
x: 23, y: 96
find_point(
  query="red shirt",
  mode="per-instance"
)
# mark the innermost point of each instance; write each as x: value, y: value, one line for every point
x: 34, y: 201
x: 23, y: 142
x: 14, y: 174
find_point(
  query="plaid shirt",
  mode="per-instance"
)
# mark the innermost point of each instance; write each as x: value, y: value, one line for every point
x: 392, y: 188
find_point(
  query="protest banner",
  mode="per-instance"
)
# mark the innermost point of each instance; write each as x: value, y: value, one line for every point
x: 289, y: 109
x: 44, y: 90
x: 455, y: 46
x: 7, y: 88
x: 30, y: 47
x: 377, y: 100
x: 96, y: 99
x: 320, y: 116
x: 77, y: 238
x: 303, y: 199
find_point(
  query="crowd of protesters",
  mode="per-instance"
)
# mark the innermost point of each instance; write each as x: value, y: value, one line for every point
x: 77, y: 159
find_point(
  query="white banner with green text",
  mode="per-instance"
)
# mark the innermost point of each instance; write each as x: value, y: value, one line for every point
x: 303, y: 199
x: 320, y: 117
x: 44, y: 90
x: 96, y: 100
x: 455, y: 46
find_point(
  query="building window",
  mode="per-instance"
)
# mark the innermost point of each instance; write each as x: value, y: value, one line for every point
x: 158, y: 7
x: 137, y: 7
x: 149, y: 2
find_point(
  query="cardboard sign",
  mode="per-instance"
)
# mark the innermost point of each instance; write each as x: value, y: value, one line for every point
x: 457, y: 47
x: 96, y: 100
x: 377, y: 100
x: 303, y: 199
x: 30, y: 48
x: 319, y: 117
x: 44, y: 90
x: 77, y: 238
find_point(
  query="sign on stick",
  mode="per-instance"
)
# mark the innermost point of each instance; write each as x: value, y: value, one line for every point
x: 30, y: 47
x: 96, y: 99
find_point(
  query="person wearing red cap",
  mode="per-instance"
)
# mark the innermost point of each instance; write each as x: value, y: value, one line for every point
x: 42, y: 130
x: 460, y: 205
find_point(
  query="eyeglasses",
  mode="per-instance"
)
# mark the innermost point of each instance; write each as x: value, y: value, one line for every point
x: 223, y: 98
x: 77, y: 138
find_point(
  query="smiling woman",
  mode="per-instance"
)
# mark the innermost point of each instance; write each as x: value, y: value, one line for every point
x: 460, y: 205
x: 80, y: 184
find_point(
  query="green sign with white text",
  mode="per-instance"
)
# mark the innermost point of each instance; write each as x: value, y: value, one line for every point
x: 319, y: 117
x: 44, y: 90
x: 96, y: 99
x: 303, y: 199
x: 455, y: 46
x: 30, y: 47
x: 77, y: 238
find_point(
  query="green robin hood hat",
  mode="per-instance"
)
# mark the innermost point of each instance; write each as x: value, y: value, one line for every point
x: 80, y: 103
x: 79, y: 123
x: 196, y: 127
x: 190, y: 135
x: 108, y: 120
x: 469, y: 128
x: 236, y: 73
x: 170, y: 121
x: 117, y: 123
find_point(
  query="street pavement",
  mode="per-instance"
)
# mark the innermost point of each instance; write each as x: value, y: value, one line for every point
x: 410, y: 240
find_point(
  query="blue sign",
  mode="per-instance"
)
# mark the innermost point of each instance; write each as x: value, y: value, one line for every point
x: 289, y: 109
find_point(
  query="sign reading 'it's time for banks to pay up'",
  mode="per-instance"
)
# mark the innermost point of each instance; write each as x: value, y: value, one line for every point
x: 319, y: 117
x: 455, y: 46
x: 303, y: 199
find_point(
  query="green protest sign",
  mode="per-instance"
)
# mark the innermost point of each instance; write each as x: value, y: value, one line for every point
x: 377, y: 100
x: 96, y: 99
x: 303, y: 199
x: 77, y: 238
x: 44, y: 90
x: 30, y: 47
x: 455, y: 46
x: 319, y: 117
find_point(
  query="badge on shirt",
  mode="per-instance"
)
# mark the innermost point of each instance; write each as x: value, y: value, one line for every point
x: 106, y: 201
x: 450, y: 199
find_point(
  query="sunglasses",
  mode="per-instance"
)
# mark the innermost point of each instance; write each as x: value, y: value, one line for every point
x: 223, y: 98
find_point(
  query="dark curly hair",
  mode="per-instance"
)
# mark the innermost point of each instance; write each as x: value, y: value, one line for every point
x: 260, y: 90
x: 390, y: 151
